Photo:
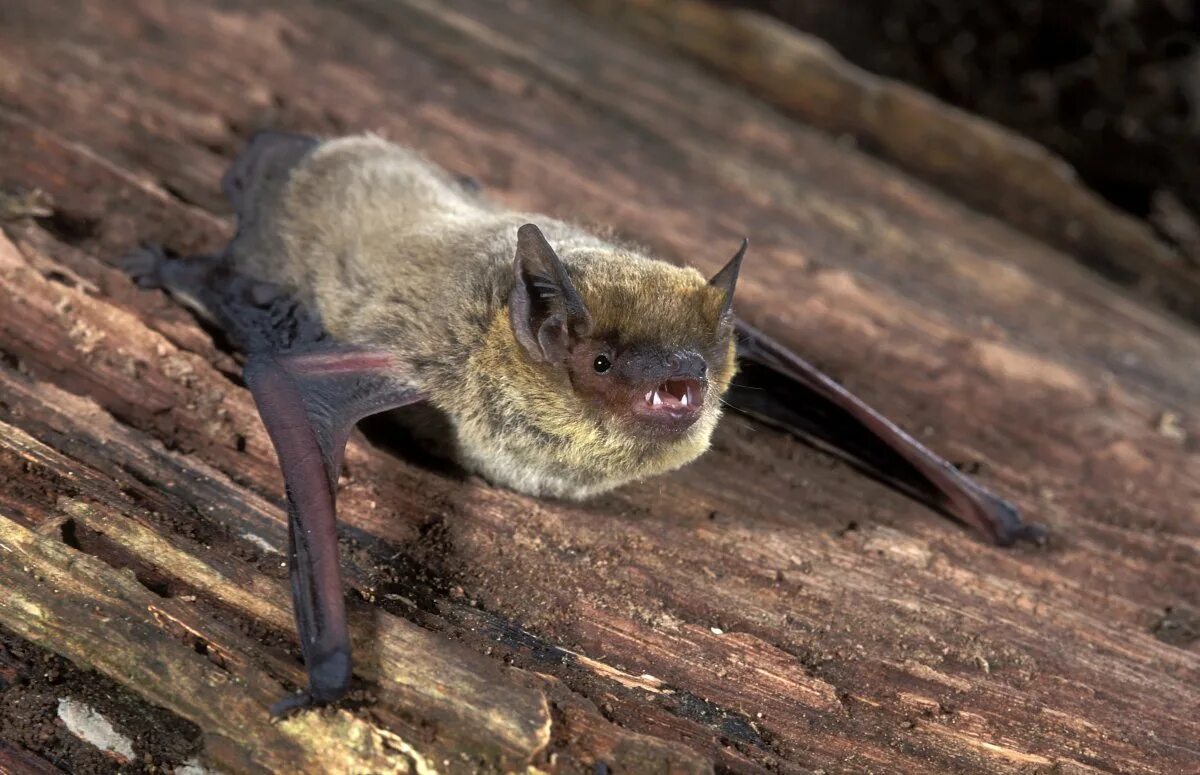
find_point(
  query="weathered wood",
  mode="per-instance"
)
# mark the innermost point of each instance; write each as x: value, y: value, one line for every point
x: 15, y: 761
x: 985, y: 165
x: 764, y: 608
x: 48, y: 584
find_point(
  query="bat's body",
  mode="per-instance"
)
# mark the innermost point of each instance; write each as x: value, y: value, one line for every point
x: 395, y: 255
x: 363, y: 278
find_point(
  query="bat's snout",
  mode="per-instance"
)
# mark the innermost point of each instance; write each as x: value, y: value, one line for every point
x: 675, y: 395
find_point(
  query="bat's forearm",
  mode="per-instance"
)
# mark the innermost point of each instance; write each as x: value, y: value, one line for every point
x: 309, y: 402
x: 781, y: 388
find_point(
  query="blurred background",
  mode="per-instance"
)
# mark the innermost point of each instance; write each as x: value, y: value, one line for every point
x: 1105, y: 92
x: 1113, y: 86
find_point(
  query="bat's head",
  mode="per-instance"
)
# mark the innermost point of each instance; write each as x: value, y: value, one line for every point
x: 640, y: 350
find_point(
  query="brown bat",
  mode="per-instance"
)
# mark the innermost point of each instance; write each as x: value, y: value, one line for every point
x: 363, y: 279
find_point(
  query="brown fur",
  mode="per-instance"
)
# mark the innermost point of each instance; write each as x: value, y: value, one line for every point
x: 394, y: 253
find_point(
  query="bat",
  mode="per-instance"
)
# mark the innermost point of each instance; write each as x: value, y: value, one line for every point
x: 363, y: 278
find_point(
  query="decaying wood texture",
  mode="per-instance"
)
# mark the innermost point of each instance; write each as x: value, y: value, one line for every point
x: 985, y: 165
x: 765, y: 609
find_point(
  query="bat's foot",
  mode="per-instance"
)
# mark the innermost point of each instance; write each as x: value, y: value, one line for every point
x: 151, y: 266
x: 293, y: 704
x: 329, y: 675
x: 1003, y: 521
x: 1007, y: 535
x: 145, y: 265
x: 305, y: 700
x: 328, y: 682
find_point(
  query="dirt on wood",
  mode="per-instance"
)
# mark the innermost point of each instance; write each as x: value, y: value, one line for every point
x: 33, y: 684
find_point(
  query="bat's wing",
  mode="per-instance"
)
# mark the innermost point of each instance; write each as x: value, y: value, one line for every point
x: 309, y: 402
x: 310, y: 392
x: 780, y: 388
x: 265, y: 164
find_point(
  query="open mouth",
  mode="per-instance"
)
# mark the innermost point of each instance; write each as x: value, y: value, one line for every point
x: 671, y: 408
x: 676, y: 396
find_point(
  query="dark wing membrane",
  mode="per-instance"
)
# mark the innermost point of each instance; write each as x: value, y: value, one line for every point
x: 266, y: 163
x: 778, y: 387
x: 309, y: 403
x: 252, y: 315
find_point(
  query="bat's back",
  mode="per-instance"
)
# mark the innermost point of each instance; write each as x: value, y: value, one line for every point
x: 378, y: 241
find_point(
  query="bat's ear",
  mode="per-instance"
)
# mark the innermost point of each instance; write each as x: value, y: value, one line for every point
x: 546, y: 311
x: 726, y: 279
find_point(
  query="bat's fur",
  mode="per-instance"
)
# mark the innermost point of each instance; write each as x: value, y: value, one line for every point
x: 392, y: 252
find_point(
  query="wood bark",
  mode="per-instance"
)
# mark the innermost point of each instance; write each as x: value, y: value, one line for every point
x: 765, y: 609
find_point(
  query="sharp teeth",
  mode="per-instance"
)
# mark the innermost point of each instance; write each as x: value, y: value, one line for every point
x: 650, y: 397
x: 657, y: 400
x: 686, y: 394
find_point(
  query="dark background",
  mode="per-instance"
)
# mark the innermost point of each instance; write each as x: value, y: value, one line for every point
x: 1111, y: 85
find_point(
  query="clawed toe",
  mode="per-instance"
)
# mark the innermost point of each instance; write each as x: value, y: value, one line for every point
x: 293, y: 704
x: 144, y: 265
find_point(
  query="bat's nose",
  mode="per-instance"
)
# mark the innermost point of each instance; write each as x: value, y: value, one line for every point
x: 653, y: 366
x: 686, y: 365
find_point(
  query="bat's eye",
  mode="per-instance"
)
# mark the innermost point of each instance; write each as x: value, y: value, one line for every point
x: 601, y: 364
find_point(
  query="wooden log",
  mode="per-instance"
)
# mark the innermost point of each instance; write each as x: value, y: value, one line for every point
x: 16, y: 760
x: 763, y: 609
x: 993, y: 169
x: 87, y: 611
